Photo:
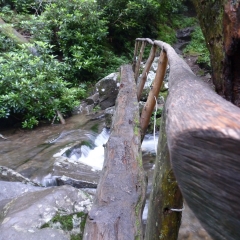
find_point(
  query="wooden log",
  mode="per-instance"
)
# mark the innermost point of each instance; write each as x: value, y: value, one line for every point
x: 153, y: 94
x: 136, y: 72
x: 163, y: 223
x: 203, y: 132
x: 120, y: 197
x: 146, y: 71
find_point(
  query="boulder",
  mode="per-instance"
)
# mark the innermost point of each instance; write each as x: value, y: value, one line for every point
x: 7, y: 174
x: 108, y: 116
x: 185, y: 33
x: 108, y: 90
x: 47, y: 213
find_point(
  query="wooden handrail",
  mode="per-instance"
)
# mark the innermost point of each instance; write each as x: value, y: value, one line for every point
x: 199, y: 144
x: 203, y: 138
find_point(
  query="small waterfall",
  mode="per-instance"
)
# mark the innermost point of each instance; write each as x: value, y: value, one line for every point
x: 93, y: 157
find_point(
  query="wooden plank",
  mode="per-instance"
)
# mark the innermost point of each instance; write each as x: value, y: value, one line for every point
x: 203, y: 132
x: 120, y: 197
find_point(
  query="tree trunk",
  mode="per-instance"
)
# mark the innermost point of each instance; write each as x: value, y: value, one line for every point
x: 117, y: 209
x: 220, y: 23
x: 163, y: 223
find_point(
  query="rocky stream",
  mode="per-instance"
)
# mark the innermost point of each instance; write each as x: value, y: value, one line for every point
x: 48, y: 176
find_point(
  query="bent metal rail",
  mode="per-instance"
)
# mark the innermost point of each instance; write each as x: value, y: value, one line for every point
x: 200, y: 136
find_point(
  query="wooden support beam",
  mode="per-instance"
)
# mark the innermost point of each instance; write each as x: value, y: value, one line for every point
x: 203, y: 133
x: 136, y: 72
x: 135, y: 55
x: 153, y: 94
x: 146, y: 71
x: 120, y: 197
x: 165, y: 195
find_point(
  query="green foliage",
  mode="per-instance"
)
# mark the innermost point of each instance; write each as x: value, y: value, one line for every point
x: 128, y: 20
x: 66, y: 222
x: 78, y: 35
x: 198, y: 47
x: 32, y: 87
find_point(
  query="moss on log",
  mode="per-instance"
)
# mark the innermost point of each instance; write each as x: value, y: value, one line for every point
x: 162, y: 222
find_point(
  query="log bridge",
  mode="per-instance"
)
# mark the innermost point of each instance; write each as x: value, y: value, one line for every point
x: 198, y: 157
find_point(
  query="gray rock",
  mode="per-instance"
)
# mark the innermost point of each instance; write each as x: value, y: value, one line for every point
x: 75, y: 172
x: 7, y: 174
x: 24, y: 216
x: 11, y: 190
x: 185, y: 33
x: 108, y: 90
x: 109, y: 112
x: 93, y: 99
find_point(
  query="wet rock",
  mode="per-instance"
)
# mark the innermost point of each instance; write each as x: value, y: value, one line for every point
x: 108, y: 90
x: 75, y: 183
x: 75, y: 173
x: 93, y: 99
x: 109, y: 112
x: 185, y: 33
x: 11, y: 190
x: 25, y: 216
x: 7, y: 174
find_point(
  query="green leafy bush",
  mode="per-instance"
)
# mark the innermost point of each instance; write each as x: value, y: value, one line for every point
x: 197, y: 47
x: 128, y: 20
x: 32, y: 87
x: 78, y: 35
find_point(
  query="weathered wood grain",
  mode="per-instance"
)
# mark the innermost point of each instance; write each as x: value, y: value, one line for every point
x: 203, y: 132
x: 120, y: 197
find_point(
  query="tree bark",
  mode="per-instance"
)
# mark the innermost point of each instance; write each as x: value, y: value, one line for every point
x: 120, y: 197
x: 163, y: 223
x: 203, y: 133
x: 220, y: 23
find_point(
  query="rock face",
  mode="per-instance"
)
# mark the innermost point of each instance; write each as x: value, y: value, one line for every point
x: 41, y: 213
x: 185, y: 33
x: 108, y: 90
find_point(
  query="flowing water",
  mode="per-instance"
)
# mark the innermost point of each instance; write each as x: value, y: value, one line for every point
x: 35, y: 153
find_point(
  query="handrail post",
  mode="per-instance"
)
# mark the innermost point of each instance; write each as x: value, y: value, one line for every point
x: 135, y: 55
x: 153, y: 94
x: 146, y: 71
x: 136, y: 74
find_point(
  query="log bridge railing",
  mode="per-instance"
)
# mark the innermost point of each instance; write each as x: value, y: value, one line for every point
x: 199, y: 145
